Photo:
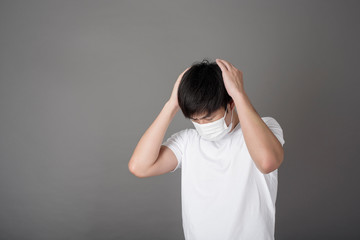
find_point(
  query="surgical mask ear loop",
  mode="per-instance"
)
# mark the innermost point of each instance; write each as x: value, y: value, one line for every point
x: 226, y: 112
x: 232, y: 114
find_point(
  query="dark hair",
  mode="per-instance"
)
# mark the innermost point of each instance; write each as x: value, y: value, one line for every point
x: 202, y: 89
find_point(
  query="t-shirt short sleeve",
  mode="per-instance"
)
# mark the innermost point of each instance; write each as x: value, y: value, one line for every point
x: 176, y: 142
x: 275, y: 127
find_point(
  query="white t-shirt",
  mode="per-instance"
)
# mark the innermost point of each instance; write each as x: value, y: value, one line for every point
x: 223, y: 194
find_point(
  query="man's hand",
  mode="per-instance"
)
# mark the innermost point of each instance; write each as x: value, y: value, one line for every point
x: 174, y: 98
x: 233, y: 78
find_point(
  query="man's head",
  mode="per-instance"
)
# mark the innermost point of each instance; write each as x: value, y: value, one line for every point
x: 202, y: 95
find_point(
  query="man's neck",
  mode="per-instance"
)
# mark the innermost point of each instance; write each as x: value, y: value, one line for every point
x: 235, y: 121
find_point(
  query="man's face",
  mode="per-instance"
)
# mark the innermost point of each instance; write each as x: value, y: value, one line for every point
x: 207, y: 118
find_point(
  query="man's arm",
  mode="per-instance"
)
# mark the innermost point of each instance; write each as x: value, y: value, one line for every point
x: 148, y: 148
x: 147, y: 151
x: 264, y: 148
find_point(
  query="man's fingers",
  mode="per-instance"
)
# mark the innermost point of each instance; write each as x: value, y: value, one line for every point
x: 221, y: 64
x: 185, y: 71
x: 182, y: 74
x: 227, y: 64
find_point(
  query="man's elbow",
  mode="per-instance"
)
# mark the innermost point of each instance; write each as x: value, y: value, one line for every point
x: 271, y: 164
x: 134, y: 171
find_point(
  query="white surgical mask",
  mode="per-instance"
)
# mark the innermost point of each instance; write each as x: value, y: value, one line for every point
x: 214, y: 130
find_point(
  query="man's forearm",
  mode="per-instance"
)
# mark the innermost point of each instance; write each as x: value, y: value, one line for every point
x: 264, y: 148
x: 148, y: 147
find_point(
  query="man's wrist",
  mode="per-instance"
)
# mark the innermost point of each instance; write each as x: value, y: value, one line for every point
x: 173, y: 107
x: 239, y: 95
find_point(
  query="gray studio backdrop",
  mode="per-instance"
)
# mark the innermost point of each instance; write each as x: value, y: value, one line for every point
x: 81, y: 81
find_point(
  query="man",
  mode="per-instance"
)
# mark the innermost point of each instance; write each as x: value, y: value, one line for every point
x: 229, y: 161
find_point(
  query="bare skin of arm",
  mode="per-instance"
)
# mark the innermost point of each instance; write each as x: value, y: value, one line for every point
x: 150, y: 158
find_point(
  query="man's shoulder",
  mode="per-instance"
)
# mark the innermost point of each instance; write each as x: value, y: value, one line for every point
x: 270, y: 120
x: 185, y: 133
